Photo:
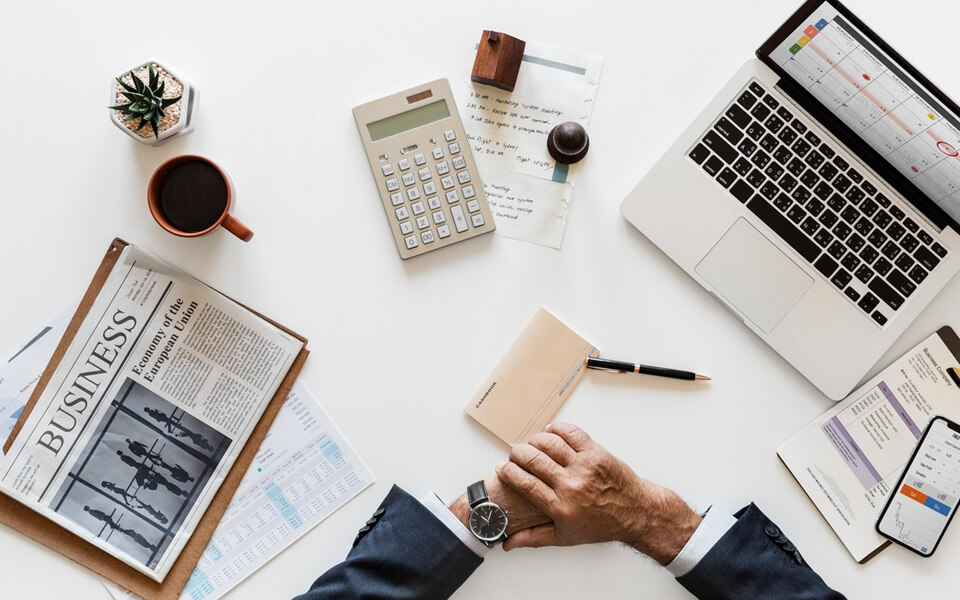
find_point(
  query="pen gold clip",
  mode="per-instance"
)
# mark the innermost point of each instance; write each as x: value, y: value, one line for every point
x: 586, y: 362
x: 619, y: 366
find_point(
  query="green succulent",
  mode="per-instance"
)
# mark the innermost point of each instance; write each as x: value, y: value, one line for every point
x: 146, y: 101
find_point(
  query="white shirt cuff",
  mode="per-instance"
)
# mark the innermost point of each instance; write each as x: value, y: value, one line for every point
x: 434, y: 504
x: 715, y: 523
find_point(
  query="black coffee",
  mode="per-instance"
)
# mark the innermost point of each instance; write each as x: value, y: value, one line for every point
x: 193, y: 196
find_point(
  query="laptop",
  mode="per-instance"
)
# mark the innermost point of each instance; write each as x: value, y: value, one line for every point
x: 817, y: 196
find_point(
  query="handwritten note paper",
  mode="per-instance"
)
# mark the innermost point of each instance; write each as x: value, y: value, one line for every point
x: 529, y: 193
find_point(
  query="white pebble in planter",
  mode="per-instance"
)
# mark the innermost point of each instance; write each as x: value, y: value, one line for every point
x: 153, y: 103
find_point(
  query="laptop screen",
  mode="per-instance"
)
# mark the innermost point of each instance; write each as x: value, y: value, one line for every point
x: 878, y: 97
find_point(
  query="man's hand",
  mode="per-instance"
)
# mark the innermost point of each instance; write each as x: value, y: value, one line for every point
x: 592, y: 496
x: 520, y: 513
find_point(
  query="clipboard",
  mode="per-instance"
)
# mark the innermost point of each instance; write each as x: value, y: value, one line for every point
x: 799, y: 455
x: 48, y: 533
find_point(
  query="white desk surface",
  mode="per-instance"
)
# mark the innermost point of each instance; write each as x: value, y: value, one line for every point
x: 398, y: 347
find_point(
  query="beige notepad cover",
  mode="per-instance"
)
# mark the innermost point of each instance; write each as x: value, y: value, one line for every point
x: 532, y: 380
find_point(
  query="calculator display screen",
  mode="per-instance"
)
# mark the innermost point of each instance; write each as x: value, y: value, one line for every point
x: 406, y: 121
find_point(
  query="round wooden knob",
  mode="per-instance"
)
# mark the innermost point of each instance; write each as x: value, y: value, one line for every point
x: 568, y: 142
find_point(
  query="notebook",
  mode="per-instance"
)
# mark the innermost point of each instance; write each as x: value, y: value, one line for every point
x: 532, y: 380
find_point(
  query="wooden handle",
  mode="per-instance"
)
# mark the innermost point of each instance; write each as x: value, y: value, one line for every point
x: 237, y: 228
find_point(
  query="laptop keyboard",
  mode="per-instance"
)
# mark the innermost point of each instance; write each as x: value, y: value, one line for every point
x: 831, y: 214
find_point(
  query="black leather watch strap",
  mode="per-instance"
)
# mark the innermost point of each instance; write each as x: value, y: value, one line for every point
x: 477, y: 493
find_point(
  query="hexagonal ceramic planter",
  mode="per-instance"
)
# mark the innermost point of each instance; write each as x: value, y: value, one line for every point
x: 188, y: 108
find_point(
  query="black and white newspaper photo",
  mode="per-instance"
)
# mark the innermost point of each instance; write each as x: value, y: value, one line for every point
x: 146, y: 413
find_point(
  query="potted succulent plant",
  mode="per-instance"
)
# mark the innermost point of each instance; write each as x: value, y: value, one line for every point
x: 152, y: 103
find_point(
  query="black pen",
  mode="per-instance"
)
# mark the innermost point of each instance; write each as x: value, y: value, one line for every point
x: 620, y: 366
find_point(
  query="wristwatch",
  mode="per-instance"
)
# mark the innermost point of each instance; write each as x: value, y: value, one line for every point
x: 488, y: 522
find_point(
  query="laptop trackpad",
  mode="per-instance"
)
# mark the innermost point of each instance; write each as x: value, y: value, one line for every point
x: 754, y: 275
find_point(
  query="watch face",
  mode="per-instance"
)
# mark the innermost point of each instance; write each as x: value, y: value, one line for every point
x: 488, y: 522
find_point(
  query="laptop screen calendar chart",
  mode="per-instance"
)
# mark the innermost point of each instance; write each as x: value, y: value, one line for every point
x: 873, y: 95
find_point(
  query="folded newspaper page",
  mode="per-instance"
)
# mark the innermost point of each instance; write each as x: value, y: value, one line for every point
x: 146, y: 413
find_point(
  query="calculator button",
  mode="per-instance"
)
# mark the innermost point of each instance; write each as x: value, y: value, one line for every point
x: 433, y: 202
x: 439, y: 217
x: 443, y: 231
x: 413, y: 193
x: 459, y: 162
x: 459, y: 220
x: 468, y: 191
x: 420, y: 159
x: 463, y: 177
x: 437, y: 153
x: 473, y: 206
x: 447, y: 182
x: 393, y: 185
x: 404, y: 164
x: 402, y: 213
x: 443, y: 168
x: 477, y: 220
x: 423, y: 222
x: 454, y: 148
x: 409, y: 179
x: 406, y: 227
x: 449, y: 135
x: 430, y: 188
x: 424, y: 173
x: 452, y: 197
x: 387, y: 170
x: 396, y: 198
x: 427, y: 237
x: 411, y: 241
x: 418, y: 208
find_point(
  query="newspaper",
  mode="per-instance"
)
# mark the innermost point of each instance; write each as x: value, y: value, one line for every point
x: 146, y: 413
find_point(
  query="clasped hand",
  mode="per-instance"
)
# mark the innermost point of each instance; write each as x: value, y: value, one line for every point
x: 564, y: 489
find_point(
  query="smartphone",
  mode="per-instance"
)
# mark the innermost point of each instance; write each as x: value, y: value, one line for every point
x: 922, y: 504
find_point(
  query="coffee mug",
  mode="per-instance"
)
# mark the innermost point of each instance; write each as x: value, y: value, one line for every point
x: 191, y: 195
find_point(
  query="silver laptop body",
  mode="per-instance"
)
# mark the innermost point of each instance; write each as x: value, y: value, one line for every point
x: 780, y: 245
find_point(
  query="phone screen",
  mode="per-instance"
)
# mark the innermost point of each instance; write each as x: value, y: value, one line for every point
x: 926, y: 497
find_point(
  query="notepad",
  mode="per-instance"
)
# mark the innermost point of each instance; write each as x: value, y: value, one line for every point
x: 532, y: 380
x: 528, y: 191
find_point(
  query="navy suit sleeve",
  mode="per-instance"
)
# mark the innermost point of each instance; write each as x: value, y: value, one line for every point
x: 755, y: 560
x: 404, y: 552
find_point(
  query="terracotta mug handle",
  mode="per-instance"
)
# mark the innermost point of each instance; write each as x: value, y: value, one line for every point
x: 237, y: 228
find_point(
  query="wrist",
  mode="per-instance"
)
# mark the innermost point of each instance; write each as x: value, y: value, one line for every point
x: 461, y: 510
x: 663, y: 524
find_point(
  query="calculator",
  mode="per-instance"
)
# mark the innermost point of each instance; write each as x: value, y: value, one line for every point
x: 424, y: 169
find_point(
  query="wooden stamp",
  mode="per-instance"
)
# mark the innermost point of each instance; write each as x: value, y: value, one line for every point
x: 568, y: 142
x: 498, y: 60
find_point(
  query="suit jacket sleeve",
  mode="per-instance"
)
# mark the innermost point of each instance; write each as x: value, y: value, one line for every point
x: 403, y: 552
x: 755, y: 560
